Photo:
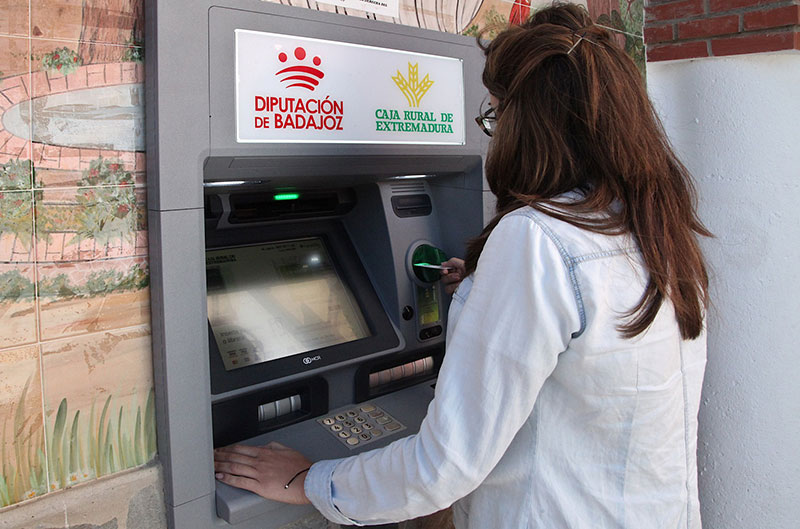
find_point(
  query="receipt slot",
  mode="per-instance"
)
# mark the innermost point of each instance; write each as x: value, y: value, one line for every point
x: 297, y: 161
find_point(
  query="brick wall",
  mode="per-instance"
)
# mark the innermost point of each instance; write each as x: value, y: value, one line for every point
x: 686, y: 29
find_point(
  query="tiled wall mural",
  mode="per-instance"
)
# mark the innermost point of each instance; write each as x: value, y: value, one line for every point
x: 76, y: 388
x: 76, y: 399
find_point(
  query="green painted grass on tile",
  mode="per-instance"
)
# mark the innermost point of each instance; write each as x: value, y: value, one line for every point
x: 23, y: 473
x: 78, y: 447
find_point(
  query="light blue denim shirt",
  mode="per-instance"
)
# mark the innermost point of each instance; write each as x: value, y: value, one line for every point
x: 544, y: 416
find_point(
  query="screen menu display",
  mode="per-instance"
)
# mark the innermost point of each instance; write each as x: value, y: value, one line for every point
x: 270, y: 301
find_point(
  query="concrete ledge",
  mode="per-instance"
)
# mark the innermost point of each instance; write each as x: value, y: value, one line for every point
x: 132, y: 499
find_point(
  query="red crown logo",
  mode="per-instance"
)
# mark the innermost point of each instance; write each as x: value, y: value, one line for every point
x: 300, y: 74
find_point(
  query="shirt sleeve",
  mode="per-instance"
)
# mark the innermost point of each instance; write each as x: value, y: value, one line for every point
x: 518, y: 317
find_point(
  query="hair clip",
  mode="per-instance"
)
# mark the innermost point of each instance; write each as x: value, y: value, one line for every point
x: 581, y: 37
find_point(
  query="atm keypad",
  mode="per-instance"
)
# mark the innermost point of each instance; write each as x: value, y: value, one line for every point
x: 360, y: 425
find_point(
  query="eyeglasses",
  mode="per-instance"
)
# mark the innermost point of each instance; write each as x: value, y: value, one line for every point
x: 487, y: 120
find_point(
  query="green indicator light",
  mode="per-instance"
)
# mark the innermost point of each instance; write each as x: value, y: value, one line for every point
x: 286, y: 196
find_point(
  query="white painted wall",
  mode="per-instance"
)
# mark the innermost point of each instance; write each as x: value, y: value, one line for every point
x: 735, y: 123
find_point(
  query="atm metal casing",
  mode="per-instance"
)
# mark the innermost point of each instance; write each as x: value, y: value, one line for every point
x: 191, y: 141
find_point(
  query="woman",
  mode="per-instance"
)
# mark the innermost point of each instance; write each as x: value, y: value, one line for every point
x: 575, y: 354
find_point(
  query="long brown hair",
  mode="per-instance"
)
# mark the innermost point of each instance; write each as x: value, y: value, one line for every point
x: 574, y: 116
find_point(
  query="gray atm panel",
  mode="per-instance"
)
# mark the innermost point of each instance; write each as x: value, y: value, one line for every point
x: 189, y: 139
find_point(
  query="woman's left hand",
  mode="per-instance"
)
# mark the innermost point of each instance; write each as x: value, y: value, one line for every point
x: 264, y: 470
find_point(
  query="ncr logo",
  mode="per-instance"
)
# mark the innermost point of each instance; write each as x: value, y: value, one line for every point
x: 299, y: 72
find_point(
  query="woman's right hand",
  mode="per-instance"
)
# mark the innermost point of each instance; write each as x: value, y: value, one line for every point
x: 452, y: 278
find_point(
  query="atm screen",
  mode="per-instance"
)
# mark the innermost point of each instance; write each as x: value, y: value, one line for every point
x: 270, y: 301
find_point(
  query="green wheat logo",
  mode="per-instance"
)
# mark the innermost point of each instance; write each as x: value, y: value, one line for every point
x: 413, y: 88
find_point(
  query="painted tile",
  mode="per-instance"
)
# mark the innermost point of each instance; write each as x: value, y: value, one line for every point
x: 91, y: 221
x: 14, y: 17
x: 50, y: 175
x: 17, y: 305
x: 22, y: 447
x: 625, y: 19
x: 56, y: 57
x: 56, y: 19
x: 16, y: 226
x: 85, y: 297
x: 15, y: 129
x: 61, y: 166
x: 98, y: 401
x: 107, y: 117
x: 104, y: 62
x: 489, y: 14
x: 15, y: 155
x: 16, y: 172
x: 84, y: 113
x: 14, y: 57
x: 105, y: 21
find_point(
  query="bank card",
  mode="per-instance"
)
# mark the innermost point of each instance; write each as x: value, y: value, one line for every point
x: 434, y: 267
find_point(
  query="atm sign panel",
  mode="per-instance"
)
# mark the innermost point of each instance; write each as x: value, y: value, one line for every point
x: 293, y: 89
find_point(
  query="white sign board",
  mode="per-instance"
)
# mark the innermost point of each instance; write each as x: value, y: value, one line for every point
x: 388, y: 8
x: 293, y: 89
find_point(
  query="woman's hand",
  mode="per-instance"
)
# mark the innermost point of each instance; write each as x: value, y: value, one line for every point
x: 264, y: 470
x: 452, y: 278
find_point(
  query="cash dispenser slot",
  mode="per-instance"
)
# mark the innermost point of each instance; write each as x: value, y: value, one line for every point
x: 286, y: 204
x: 258, y: 412
x: 401, y: 371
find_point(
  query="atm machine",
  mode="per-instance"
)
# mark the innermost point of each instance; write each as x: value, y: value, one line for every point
x: 301, y: 166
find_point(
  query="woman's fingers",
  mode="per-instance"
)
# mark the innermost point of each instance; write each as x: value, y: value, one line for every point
x: 457, y: 265
x: 236, y: 469
x: 452, y: 278
x: 238, y: 481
